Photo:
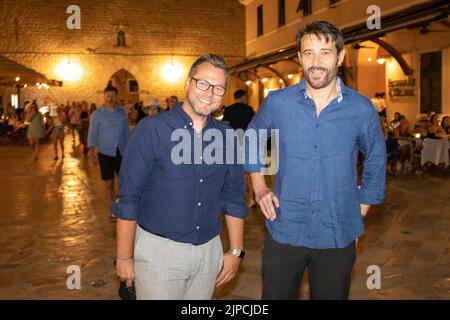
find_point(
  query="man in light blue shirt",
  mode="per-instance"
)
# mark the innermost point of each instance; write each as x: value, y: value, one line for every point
x: 316, y: 211
x: 107, y: 138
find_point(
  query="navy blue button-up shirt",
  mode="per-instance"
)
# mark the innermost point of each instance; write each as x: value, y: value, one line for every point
x: 183, y: 201
x: 317, y: 175
x: 108, y: 130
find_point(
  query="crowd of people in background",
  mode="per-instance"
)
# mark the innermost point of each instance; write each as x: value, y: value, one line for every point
x: 404, y: 141
x: 34, y: 125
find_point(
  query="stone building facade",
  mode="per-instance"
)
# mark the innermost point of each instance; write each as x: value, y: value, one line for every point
x: 155, y: 33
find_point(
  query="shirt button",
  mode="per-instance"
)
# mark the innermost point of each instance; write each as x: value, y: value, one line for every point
x: 190, y: 123
x: 201, y: 158
x: 315, y: 147
x: 198, y: 227
x: 199, y: 204
x: 185, y: 127
x: 317, y: 126
x: 201, y: 180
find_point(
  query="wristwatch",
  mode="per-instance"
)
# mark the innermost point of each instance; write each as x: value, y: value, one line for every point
x: 237, y: 252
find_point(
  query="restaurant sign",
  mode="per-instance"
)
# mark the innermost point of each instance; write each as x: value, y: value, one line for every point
x: 402, y: 88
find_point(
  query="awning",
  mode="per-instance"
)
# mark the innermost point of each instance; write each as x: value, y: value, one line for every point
x: 414, y: 16
x: 13, y: 73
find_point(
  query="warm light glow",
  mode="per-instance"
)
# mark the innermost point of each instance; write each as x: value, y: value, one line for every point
x: 25, y: 86
x: 370, y: 59
x: 15, y: 101
x: 290, y: 76
x: 381, y: 60
x: 264, y: 80
x: 248, y: 82
x: 172, y: 72
x: 280, y: 81
x: 69, y: 71
x: 17, y: 78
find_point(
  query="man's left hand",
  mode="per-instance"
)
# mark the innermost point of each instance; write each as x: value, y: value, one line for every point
x: 364, y: 209
x: 229, y: 270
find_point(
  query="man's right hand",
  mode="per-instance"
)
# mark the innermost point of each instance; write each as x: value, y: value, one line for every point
x: 125, y: 270
x: 266, y: 200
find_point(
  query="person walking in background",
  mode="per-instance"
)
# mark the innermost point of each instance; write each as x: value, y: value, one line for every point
x: 74, y: 119
x: 239, y: 115
x: 107, y: 138
x: 36, y: 129
x: 84, y: 126
x: 58, y: 120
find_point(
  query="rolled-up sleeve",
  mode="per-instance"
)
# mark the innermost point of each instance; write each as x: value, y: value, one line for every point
x: 135, y: 170
x: 261, y: 122
x: 373, y: 146
x: 233, y: 192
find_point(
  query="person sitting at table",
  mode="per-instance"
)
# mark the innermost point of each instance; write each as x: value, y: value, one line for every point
x: 392, y: 153
x: 403, y: 135
x: 396, y: 121
x: 420, y: 130
x: 445, y: 124
x: 15, y: 124
x: 435, y: 131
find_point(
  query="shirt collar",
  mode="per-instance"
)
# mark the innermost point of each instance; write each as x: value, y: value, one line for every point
x: 186, y: 120
x: 104, y: 109
x: 343, y: 89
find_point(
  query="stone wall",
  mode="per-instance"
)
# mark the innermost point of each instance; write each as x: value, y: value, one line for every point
x: 34, y: 33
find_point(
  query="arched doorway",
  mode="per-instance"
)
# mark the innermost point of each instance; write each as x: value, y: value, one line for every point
x: 128, y: 88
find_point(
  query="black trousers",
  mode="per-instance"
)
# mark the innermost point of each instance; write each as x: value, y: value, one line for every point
x: 109, y: 165
x: 283, y: 265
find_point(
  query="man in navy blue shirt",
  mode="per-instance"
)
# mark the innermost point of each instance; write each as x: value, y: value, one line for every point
x: 169, y: 223
x: 107, y: 138
x: 316, y: 211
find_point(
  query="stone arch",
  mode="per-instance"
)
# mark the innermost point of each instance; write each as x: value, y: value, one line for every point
x: 127, y: 85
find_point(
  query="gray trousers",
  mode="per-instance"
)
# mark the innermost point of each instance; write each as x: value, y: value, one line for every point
x: 169, y: 270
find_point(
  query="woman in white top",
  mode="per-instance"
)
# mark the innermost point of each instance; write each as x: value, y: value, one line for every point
x: 58, y: 117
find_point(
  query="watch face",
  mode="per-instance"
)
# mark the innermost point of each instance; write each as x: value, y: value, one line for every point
x: 238, y: 253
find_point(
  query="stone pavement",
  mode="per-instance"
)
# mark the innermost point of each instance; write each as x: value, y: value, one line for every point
x: 53, y: 214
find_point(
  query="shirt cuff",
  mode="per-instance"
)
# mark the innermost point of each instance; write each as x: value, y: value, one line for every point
x: 234, y: 210
x: 252, y: 168
x: 370, y: 197
x: 124, y: 211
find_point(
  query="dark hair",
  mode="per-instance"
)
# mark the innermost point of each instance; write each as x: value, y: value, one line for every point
x: 322, y: 29
x: 433, y: 117
x: 215, y: 60
x: 239, y: 94
x: 110, y: 88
